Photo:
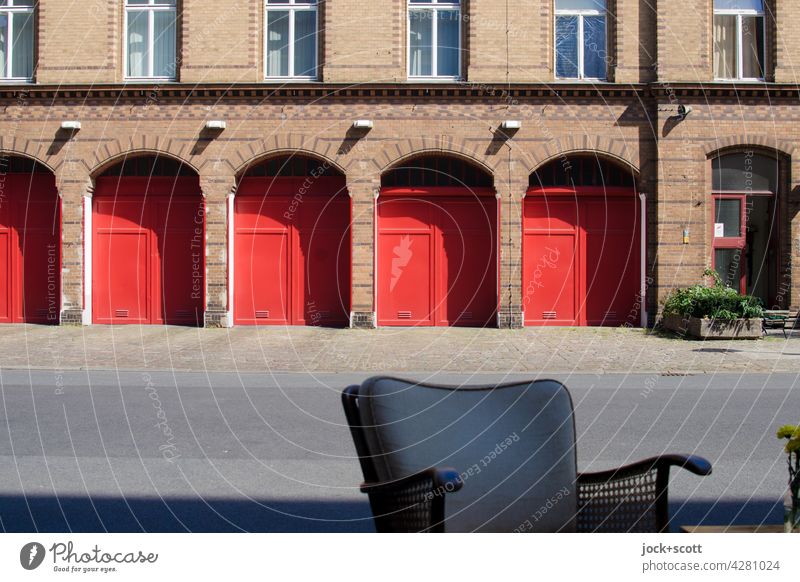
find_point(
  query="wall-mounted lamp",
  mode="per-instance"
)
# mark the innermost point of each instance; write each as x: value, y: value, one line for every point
x: 216, y: 125
x: 511, y: 124
x: 71, y: 125
x: 684, y: 111
x: 363, y: 124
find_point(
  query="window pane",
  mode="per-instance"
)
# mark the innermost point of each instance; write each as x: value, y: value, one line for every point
x: 725, y: 47
x: 739, y: 5
x: 449, y: 43
x: 305, y: 49
x: 164, y: 49
x: 728, y: 263
x: 3, y: 44
x: 744, y: 172
x: 753, y: 47
x: 594, y: 47
x: 277, y: 43
x: 28, y: 3
x: 137, y: 2
x: 22, y: 53
x: 420, y: 42
x: 581, y: 5
x: 137, y: 44
x: 728, y: 213
x: 567, y: 47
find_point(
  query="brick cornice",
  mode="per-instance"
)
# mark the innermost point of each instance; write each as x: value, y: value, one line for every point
x: 460, y: 91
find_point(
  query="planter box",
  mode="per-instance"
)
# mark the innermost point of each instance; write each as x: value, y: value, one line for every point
x: 711, y: 329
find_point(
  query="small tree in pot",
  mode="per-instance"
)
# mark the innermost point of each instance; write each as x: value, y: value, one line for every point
x: 715, y: 310
x: 791, y: 505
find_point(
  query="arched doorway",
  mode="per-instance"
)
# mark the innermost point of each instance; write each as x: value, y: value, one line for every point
x: 582, y: 245
x: 30, y: 236
x: 291, y: 247
x: 745, y: 249
x: 148, y: 244
x: 437, y: 244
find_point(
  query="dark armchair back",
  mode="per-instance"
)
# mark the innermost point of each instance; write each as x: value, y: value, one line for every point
x: 513, y: 445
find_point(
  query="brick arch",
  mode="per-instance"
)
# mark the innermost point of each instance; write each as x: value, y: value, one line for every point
x: 275, y: 145
x: 600, y: 154
x: 412, y: 148
x: 242, y: 168
x: 614, y: 149
x: 24, y: 149
x: 745, y: 141
x: 100, y: 165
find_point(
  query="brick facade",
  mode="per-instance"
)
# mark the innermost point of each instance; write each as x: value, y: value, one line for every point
x: 660, y: 58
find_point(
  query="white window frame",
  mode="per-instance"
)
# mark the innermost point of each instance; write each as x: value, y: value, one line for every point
x: 292, y: 6
x: 580, y: 14
x: 739, y: 13
x: 151, y: 7
x: 9, y: 10
x: 434, y: 6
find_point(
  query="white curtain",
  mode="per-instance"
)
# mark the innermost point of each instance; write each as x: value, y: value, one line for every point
x: 449, y: 43
x: 22, y: 52
x: 725, y: 46
x: 277, y: 43
x: 3, y: 44
x: 420, y: 26
x: 305, y: 44
x: 164, y: 44
x: 137, y: 44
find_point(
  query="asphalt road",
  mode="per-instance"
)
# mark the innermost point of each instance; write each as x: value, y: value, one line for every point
x: 129, y: 451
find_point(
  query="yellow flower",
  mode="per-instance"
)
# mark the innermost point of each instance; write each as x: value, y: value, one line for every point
x: 788, y: 431
x: 793, y: 446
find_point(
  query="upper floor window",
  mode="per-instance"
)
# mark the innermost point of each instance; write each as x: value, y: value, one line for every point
x: 580, y: 39
x: 16, y: 39
x: 291, y: 39
x: 739, y: 39
x: 434, y: 39
x: 150, y: 39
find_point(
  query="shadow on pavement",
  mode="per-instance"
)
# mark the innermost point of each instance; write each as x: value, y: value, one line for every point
x: 99, y: 514
x: 726, y: 512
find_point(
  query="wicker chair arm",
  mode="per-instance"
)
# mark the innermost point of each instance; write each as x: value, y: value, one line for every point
x: 633, y: 498
x: 693, y: 463
x: 414, y: 503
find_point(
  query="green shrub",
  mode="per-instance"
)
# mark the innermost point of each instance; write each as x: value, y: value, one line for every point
x: 715, y: 302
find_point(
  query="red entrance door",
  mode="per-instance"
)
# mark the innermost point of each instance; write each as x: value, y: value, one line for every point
x: 437, y: 257
x: 148, y: 247
x: 292, y: 251
x: 581, y: 257
x: 30, y: 257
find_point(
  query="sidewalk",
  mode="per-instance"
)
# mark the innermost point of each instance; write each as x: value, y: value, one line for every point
x: 297, y: 349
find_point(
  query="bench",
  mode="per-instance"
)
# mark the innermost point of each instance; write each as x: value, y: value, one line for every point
x: 779, y: 319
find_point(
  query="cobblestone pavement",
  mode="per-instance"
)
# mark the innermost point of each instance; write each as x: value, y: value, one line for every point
x: 285, y: 349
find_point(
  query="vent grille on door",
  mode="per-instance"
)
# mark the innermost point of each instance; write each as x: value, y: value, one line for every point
x: 466, y: 315
x: 611, y: 314
x: 262, y: 314
x: 403, y: 315
x: 121, y: 313
x: 41, y: 312
x: 549, y: 315
x: 183, y: 313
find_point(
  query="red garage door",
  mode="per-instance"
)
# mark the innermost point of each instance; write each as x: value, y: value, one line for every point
x: 148, y: 247
x: 582, y: 247
x: 437, y: 256
x: 30, y: 259
x: 292, y: 251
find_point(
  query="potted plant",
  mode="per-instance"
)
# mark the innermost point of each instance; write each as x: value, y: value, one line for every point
x: 791, y: 505
x: 714, y: 311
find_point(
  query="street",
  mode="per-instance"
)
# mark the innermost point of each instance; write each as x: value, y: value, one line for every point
x: 162, y: 451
